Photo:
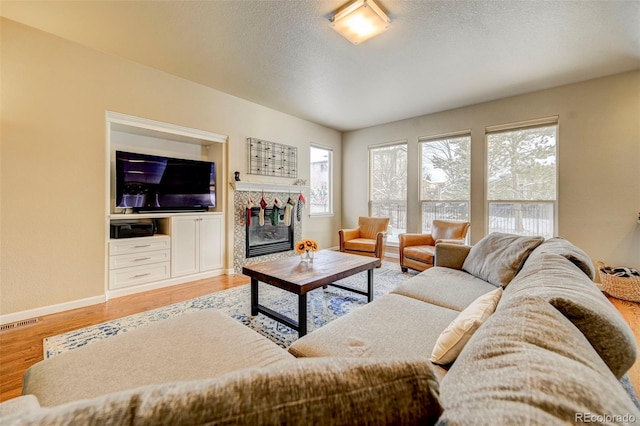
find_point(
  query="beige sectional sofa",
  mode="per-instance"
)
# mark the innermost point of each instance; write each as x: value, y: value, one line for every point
x: 553, y: 352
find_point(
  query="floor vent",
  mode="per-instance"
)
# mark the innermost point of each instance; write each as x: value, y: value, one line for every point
x: 17, y: 324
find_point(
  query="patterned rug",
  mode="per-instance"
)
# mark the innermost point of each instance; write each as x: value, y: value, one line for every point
x: 323, y: 306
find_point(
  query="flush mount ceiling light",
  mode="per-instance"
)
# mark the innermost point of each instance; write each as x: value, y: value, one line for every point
x: 360, y: 20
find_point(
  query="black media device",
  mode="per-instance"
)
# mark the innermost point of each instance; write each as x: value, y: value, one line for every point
x: 132, y: 228
x: 151, y: 183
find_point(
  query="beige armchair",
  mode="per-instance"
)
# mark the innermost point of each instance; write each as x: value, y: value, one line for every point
x: 368, y: 239
x: 417, y: 250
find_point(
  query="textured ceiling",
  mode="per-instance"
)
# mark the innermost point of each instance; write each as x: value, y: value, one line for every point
x: 437, y: 55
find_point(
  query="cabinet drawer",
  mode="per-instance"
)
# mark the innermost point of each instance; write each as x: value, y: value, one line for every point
x: 126, y: 277
x: 139, y: 259
x: 139, y: 245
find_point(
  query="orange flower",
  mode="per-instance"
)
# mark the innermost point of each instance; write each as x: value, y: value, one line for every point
x: 306, y: 245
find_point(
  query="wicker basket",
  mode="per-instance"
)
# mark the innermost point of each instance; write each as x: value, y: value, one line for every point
x: 625, y: 288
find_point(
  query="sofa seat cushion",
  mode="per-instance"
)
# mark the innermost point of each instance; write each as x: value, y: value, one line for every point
x: 197, y: 345
x: 446, y: 287
x: 565, y: 286
x: 529, y: 365
x: 420, y: 253
x: 361, y: 244
x: 388, y: 327
x: 498, y: 257
x: 324, y: 391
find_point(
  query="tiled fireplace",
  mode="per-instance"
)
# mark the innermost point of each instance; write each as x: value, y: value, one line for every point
x: 281, y: 238
x: 262, y: 237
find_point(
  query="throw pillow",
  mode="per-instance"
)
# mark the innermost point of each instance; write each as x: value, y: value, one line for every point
x: 498, y: 257
x: 457, y: 334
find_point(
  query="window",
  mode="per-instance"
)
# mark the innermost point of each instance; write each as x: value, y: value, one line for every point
x: 445, y: 179
x: 321, y: 201
x: 521, y: 179
x: 388, y: 186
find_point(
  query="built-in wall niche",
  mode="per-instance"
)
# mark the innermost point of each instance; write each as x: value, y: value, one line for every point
x: 142, y: 136
x: 186, y: 246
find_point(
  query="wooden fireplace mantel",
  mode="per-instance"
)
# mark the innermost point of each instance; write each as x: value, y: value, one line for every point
x: 267, y: 187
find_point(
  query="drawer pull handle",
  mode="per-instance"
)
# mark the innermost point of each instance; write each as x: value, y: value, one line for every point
x: 142, y: 245
x: 141, y: 275
x: 141, y: 259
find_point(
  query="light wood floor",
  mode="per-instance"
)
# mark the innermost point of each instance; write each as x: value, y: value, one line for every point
x: 631, y: 313
x: 22, y: 347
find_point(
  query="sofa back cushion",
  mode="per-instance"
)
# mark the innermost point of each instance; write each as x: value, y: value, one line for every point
x: 559, y: 282
x: 573, y: 254
x: 529, y: 365
x: 327, y: 391
x: 498, y: 257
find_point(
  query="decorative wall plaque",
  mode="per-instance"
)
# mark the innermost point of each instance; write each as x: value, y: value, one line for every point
x: 272, y: 159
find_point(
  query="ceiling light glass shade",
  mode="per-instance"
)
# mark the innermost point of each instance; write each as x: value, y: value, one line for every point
x: 360, y: 20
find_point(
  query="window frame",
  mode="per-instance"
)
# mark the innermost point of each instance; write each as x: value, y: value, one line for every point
x: 370, y: 150
x: 552, y: 121
x: 436, y: 138
x: 329, y: 183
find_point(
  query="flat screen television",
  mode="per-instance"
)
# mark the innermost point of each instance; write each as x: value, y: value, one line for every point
x: 151, y: 183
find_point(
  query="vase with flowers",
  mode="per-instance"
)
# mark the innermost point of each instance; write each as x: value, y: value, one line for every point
x: 305, y: 248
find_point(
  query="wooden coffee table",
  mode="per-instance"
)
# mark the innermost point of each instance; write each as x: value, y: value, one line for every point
x: 299, y: 278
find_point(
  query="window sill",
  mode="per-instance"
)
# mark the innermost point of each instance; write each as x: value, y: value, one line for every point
x: 319, y: 215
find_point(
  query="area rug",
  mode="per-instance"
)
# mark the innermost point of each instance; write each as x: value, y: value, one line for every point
x: 324, y: 305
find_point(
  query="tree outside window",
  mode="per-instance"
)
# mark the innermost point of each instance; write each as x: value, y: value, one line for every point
x: 445, y: 184
x: 388, y: 186
x: 521, y: 181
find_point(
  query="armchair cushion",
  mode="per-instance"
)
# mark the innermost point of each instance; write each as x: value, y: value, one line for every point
x: 360, y: 244
x: 424, y: 254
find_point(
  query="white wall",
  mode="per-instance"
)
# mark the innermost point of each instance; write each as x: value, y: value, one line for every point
x: 598, y: 162
x: 52, y: 158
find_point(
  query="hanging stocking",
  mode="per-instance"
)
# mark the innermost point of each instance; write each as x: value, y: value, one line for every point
x: 300, y: 206
x: 275, y: 211
x: 288, y: 208
x: 250, y: 205
x: 263, y: 205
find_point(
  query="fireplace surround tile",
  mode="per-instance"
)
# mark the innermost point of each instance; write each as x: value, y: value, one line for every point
x: 240, y: 199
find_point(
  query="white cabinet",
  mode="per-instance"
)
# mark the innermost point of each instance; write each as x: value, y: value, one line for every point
x: 211, y: 243
x: 188, y: 247
x: 197, y: 244
x: 140, y: 260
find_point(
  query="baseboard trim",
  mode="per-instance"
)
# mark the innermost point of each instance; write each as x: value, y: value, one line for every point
x: 51, y: 309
